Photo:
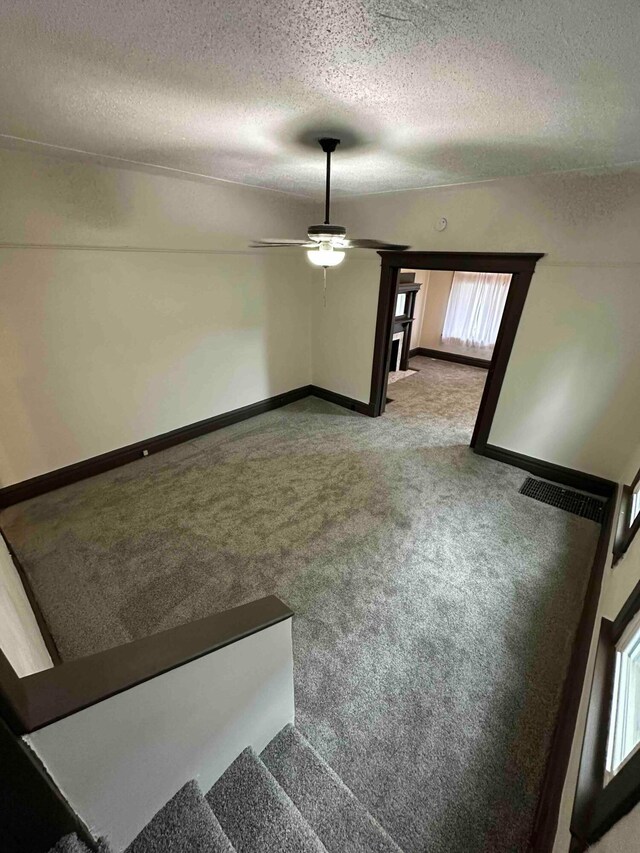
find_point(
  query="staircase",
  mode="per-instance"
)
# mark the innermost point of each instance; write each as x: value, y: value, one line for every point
x: 287, y: 800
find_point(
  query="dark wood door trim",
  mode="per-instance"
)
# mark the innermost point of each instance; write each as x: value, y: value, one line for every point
x: 520, y: 265
x: 385, y: 321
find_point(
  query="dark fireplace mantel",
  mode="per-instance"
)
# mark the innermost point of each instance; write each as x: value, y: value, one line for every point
x: 404, y: 322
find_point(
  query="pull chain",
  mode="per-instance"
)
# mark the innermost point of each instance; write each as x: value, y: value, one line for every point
x: 324, y: 291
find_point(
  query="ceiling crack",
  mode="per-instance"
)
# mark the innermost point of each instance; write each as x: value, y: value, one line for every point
x: 393, y: 18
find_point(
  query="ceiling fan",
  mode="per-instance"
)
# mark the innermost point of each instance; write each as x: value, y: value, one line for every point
x: 326, y: 243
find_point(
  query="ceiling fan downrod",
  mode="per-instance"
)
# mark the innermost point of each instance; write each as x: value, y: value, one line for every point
x: 326, y: 244
x: 328, y: 145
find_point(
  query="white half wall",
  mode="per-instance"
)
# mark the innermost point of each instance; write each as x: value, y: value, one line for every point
x: 131, y: 305
x: 570, y: 393
x: 118, y: 762
x: 20, y: 637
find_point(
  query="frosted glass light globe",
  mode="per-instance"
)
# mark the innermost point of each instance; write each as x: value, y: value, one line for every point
x: 325, y: 256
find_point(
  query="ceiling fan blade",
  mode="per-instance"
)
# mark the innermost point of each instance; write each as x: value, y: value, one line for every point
x: 262, y: 244
x: 375, y: 244
x: 327, y: 236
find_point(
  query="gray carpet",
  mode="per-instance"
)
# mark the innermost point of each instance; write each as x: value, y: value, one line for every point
x: 185, y: 824
x: 435, y: 606
x: 339, y: 819
x: 70, y: 844
x: 255, y: 812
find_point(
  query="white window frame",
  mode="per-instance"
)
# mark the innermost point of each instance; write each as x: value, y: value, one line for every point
x: 626, y: 682
x: 635, y: 505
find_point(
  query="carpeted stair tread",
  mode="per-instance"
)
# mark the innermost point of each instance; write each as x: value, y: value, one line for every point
x: 185, y: 824
x: 70, y: 844
x: 339, y: 819
x: 256, y: 814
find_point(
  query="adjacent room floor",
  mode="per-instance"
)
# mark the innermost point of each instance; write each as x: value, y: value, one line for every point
x: 435, y: 606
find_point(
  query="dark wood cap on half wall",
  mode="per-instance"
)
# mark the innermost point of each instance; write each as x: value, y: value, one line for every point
x: 30, y: 703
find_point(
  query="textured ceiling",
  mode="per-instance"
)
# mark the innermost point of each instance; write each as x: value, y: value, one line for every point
x: 434, y: 92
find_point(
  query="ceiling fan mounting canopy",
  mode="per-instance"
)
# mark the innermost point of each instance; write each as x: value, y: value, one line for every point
x: 320, y: 233
x: 326, y: 243
x: 328, y: 144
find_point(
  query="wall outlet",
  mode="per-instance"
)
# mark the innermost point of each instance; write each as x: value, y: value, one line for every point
x: 145, y: 452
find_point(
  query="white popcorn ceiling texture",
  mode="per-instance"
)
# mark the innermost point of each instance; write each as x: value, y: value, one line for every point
x: 435, y: 92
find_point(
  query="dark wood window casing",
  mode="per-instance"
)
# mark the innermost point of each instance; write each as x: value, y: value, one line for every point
x: 598, y: 806
x: 628, y: 526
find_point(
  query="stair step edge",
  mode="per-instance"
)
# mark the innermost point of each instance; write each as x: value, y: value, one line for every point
x: 281, y: 826
x: 184, y: 822
x: 362, y: 825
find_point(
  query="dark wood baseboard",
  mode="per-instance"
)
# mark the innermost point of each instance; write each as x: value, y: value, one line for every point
x: 451, y: 356
x: 341, y: 400
x: 121, y: 456
x: 548, y: 471
x: 548, y: 809
x: 35, y: 486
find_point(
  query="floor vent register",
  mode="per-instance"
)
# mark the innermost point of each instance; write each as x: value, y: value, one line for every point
x: 578, y: 503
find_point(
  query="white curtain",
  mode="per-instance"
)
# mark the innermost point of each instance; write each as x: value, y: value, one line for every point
x: 476, y: 303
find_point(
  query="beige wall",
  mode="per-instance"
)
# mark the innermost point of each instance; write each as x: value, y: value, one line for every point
x: 618, y: 583
x: 623, y: 837
x: 435, y: 307
x: 209, y: 326
x: 146, y: 311
x: 342, y: 330
x: 421, y: 300
x: 570, y: 393
x: 20, y: 637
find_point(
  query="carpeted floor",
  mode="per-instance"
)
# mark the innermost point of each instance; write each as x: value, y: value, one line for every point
x: 435, y: 606
x: 396, y: 375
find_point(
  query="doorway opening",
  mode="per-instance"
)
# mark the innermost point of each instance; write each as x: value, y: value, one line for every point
x: 473, y: 315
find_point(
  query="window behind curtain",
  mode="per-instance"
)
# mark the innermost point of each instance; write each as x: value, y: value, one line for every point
x: 475, y: 307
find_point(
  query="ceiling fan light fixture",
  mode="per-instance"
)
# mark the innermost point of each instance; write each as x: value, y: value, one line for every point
x: 325, y: 256
x: 325, y: 243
